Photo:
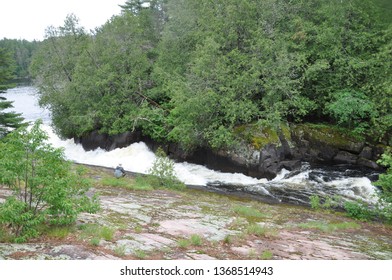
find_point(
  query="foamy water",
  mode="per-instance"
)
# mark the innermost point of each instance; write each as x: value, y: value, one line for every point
x: 139, y: 158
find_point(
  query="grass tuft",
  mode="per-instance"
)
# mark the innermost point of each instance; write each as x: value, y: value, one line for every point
x: 120, y: 250
x: 249, y: 213
x: 140, y: 254
x: 96, y: 231
x: 196, y: 240
x: 266, y: 255
x: 95, y: 241
x: 183, y: 243
x: 59, y: 232
x: 255, y: 229
x: 329, y: 227
x: 107, y: 233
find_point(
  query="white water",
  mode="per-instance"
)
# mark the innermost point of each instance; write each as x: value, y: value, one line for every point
x: 138, y: 158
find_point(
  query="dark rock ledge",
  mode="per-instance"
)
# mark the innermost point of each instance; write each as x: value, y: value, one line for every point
x: 305, y: 144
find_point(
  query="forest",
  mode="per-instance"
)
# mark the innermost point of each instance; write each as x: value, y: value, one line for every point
x: 19, y: 53
x: 192, y: 71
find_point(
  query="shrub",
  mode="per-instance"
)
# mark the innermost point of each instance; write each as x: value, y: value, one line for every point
x: 384, y: 207
x: 351, y: 108
x: 45, y: 187
x: 326, y: 203
x: 163, y: 169
x: 358, y: 210
x: 315, y: 202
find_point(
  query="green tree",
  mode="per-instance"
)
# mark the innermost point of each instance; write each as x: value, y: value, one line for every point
x: 7, y: 66
x: 53, y: 69
x: 100, y: 82
x: 45, y: 187
x: 21, y: 51
x: 8, y: 120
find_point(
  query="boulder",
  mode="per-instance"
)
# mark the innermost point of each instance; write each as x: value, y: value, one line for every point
x: 345, y: 157
x: 291, y: 164
x: 269, y: 165
x: 368, y: 163
x: 366, y: 153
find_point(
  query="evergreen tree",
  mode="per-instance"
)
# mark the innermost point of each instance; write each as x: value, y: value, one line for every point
x: 7, y: 66
x: 8, y: 120
x: 21, y: 51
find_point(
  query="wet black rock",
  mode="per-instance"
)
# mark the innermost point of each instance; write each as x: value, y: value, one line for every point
x: 311, y: 145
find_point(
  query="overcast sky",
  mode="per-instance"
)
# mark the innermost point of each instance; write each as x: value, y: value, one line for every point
x: 28, y: 19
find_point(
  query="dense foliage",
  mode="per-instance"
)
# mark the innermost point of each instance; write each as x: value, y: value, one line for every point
x: 21, y: 52
x: 190, y: 71
x: 44, y: 187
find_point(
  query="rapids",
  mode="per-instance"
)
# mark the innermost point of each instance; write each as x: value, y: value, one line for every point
x: 291, y: 187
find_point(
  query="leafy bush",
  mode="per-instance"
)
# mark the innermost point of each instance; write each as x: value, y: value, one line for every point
x: 351, y: 108
x: 45, y: 187
x: 163, y: 169
x: 358, y: 210
x: 385, y: 182
x: 383, y: 209
x: 315, y: 202
x: 326, y: 203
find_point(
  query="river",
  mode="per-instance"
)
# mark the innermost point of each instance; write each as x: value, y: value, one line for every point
x: 291, y: 187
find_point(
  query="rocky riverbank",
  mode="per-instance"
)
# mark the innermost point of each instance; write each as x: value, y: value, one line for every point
x: 137, y: 221
x: 262, y: 152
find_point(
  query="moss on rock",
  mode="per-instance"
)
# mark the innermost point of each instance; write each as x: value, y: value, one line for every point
x: 329, y: 135
x: 259, y: 136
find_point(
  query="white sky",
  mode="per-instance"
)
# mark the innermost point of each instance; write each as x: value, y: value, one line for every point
x: 28, y: 19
